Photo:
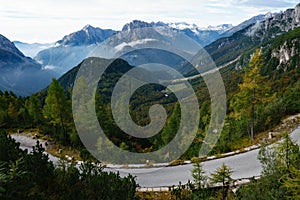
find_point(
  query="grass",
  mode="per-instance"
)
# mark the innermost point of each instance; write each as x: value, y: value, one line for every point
x: 176, y: 163
x: 54, y: 150
x: 154, y: 195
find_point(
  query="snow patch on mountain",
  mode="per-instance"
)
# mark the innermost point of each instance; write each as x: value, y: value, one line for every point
x: 196, y: 29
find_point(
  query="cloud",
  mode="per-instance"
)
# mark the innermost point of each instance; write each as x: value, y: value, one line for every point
x: 266, y: 3
x: 49, y: 67
x: 133, y: 43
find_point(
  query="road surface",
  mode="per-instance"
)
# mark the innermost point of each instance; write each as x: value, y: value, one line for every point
x: 244, y: 165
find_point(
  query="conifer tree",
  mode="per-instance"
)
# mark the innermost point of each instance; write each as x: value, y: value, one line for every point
x: 222, y: 175
x: 56, y: 109
x: 253, y: 91
x: 35, y: 110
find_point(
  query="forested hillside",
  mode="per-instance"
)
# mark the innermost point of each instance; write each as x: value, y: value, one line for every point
x: 277, y: 91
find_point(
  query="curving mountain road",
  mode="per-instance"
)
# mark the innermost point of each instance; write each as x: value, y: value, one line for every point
x: 244, y: 165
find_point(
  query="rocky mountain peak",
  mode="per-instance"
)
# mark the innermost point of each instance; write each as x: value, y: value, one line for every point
x: 88, y: 28
x: 136, y: 24
x: 7, y: 45
x: 287, y: 20
x: 86, y: 36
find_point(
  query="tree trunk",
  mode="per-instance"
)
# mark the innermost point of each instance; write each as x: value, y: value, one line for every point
x: 252, y: 115
x: 223, y: 190
x: 287, y: 153
x: 63, y: 128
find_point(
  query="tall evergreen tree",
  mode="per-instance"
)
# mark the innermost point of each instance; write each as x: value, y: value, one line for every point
x: 35, y: 110
x: 199, y: 175
x: 57, y: 109
x: 200, y: 179
x: 13, y: 112
x: 253, y: 91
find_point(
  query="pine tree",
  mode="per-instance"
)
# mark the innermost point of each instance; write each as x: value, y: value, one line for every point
x: 35, y: 110
x: 253, y: 91
x: 199, y: 175
x: 222, y: 175
x: 292, y: 183
x: 200, y: 179
x: 57, y: 108
x: 13, y: 113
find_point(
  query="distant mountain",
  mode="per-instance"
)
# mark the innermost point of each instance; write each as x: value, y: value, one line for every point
x: 203, y: 36
x: 141, y: 43
x: 193, y: 27
x: 136, y: 24
x: 86, y: 36
x: 62, y: 58
x: 20, y: 74
x: 72, y: 49
x: 147, y: 94
x: 75, y: 47
x: 32, y: 49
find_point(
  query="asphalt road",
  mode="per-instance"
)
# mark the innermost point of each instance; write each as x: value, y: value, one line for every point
x: 244, y: 165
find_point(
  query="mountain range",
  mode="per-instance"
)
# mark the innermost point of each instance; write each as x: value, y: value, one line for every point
x: 73, y: 48
x: 277, y: 34
x: 224, y: 43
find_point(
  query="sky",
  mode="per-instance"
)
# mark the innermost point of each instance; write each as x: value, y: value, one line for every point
x: 49, y: 20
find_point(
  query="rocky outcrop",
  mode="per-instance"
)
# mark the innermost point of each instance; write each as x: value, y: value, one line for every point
x: 286, y: 51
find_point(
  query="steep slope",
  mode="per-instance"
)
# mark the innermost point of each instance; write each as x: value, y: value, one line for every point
x: 283, y: 55
x: 247, y: 23
x: 20, y: 74
x: 255, y: 35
